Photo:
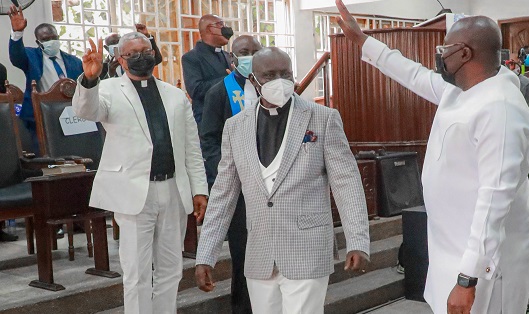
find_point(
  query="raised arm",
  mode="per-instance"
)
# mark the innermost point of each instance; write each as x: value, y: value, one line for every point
x: 17, y: 51
x: 86, y: 102
x: 142, y: 28
x: 412, y: 75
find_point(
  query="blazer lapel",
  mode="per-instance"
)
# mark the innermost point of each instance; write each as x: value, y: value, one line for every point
x: 298, y: 126
x: 212, y: 59
x: 249, y: 133
x: 132, y: 96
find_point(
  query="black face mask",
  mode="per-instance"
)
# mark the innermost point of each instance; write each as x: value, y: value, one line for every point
x: 142, y: 66
x: 226, y: 32
x: 440, y: 67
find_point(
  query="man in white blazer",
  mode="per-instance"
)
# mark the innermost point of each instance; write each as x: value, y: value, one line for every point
x: 284, y: 153
x: 151, y: 172
x: 475, y: 169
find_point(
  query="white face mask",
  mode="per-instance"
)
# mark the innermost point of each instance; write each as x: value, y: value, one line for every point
x: 111, y: 49
x: 51, y: 47
x: 277, y: 92
x: 244, y: 65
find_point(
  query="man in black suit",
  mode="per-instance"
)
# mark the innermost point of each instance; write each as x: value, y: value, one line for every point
x: 224, y: 100
x: 206, y: 64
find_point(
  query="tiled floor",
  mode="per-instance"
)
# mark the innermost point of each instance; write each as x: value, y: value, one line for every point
x: 17, y: 269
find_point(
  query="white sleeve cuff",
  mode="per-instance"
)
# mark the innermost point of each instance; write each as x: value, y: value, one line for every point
x: 478, y: 266
x: 372, y: 49
x: 16, y: 36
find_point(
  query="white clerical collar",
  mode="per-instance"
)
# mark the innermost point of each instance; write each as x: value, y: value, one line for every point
x: 271, y: 111
x: 218, y: 49
x: 143, y: 83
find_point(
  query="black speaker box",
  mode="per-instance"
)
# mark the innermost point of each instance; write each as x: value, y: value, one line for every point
x: 414, y: 256
x: 399, y: 183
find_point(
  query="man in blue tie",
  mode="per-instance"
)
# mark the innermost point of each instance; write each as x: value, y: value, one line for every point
x: 46, y: 64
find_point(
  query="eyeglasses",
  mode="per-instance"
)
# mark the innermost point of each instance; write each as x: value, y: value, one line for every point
x: 137, y: 55
x: 443, y: 49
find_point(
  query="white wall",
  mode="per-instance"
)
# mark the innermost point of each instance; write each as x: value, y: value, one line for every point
x: 496, y: 9
x: 416, y: 9
x: 305, y: 46
x: 38, y: 12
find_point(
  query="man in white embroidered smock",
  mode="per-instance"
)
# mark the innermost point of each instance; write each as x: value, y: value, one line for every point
x: 475, y: 170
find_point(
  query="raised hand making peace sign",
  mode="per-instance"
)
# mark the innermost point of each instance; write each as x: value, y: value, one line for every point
x: 93, y: 60
x: 18, y: 22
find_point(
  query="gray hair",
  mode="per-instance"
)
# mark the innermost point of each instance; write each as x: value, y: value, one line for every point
x: 131, y: 36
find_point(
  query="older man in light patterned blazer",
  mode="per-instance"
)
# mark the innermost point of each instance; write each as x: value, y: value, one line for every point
x: 284, y: 153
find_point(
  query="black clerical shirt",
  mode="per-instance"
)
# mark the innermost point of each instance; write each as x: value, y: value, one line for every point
x: 162, y: 161
x: 270, y: 132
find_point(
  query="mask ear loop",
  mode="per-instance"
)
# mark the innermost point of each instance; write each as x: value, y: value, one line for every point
x: 255, y: 78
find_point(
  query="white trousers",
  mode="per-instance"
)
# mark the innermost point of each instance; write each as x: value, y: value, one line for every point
x: 154, y: 236
x: 281, y: 295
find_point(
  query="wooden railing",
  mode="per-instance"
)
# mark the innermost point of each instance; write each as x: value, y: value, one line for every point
x: 322, y: 64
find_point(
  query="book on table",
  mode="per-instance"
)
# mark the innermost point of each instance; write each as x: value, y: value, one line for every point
x: 60, y: 169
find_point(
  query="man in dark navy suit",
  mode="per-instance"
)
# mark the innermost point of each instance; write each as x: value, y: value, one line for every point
x: 46, y: 64
x: 206, y: 64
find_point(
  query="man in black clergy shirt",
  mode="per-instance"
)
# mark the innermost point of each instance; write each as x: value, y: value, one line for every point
x: 206, y: 64
x: 224, y: 100
x: 151, y: 172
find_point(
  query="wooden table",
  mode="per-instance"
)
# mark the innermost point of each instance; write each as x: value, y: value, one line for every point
x: 57, y: 197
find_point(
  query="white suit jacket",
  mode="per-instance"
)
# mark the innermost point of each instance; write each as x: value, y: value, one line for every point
x: 291, y: 226
x: 122, y: 180
x: 475, y: 182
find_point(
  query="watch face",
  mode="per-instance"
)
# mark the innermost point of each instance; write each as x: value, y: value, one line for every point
x: 463, y: 282
x: 466, y: 282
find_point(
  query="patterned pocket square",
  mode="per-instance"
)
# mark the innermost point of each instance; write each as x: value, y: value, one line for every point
x: 309, y: 137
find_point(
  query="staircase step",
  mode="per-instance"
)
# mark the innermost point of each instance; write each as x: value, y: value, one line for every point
x: 194, y: 301
x: 383, y: 255
x: 364, y: 292
x: 378, y: 230
x: 385, y: 236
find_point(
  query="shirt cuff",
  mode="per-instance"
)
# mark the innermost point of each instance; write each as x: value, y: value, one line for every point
x: 88, y: 83
x: 477, y: 266
x: 372, y: 49
x: 16, y: 36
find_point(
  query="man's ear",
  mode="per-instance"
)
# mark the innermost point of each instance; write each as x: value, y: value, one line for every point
x: 123, y: 63
x: 467, y: 54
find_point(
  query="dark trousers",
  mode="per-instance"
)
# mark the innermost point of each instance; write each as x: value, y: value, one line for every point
x: 237, y: 236
x: 32, y: 128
